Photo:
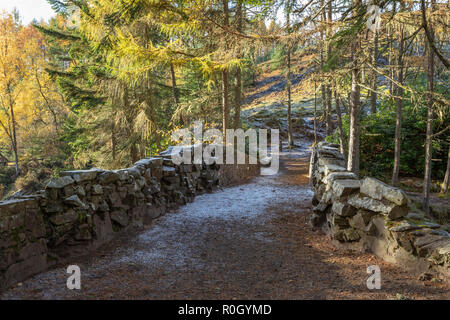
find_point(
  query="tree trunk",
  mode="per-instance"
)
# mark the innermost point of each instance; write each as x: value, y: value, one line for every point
x: 225, y: 85
x: 289, y: 84
x: 339, y: 118
x: 16, y: 157
x: 225, y: 109
x: 152, y: 114
x: 373, y: 95
x: 237, y: 79
x: 391, y: 53
x: 237, y: 99
x: 328, y: 90
x: 430, y: 116
x: 13, y: 131
x: 130, y: 121
x: 315, y: 113
x: 175, y: 89
x: 399, y: 101
x: 322, y: 58
x: 353, y: 144
x: 113, y: 141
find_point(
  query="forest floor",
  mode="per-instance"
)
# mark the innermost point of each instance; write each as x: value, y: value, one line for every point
x: 249, y: 241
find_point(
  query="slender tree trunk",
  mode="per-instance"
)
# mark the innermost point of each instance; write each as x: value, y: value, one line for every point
x: 237, y: 79
x: 253, y: 55
x: 176, y: 95
x: 225, y: 108
x: 152, y: 114
x: 430, y: 116
x: 289, y: 84
x: 130, y: 120
x: 373, y: 95
x: 391, y: 53
x: 322, y: 61
x: 16, y: 156
x: 218, y: 86
x: 391, y: 70
x: 13, y: 131
x: 339, y: 118
x: 315, y: 113
x: 113, y: 141
x: 237, y: 99
x: 399, y: 101
x: 328, y: 89
x: 353, y: 144
x: 225, y: 84
x: 447, y: 175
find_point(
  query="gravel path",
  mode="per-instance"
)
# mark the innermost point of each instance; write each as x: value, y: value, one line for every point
x: 244, y: 242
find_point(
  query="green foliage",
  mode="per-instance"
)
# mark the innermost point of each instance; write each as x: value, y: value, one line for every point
x: 278, y: 57
x: 377, y: 142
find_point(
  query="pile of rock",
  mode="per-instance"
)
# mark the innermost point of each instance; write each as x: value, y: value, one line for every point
x: 370, y: 215
x: 83, y: 209
x: 23, y: 246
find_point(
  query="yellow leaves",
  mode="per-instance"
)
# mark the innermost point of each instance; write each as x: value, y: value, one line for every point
x: 25, y: 88
x: 129, y: 28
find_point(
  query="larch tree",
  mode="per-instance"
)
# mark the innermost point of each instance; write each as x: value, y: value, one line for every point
x: 354, y: 131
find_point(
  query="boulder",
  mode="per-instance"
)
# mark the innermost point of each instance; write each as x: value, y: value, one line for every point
x: 427, y: 244
x: 329, y: 168
x: 108, y: 177
x: 80, y: 191
x: 426, y: 240
x: 123, y: 174
x: 135, y: 171
x: 378, y: 190
x: 69, y: 216
x: 362, y: 219
x: 343, y: 209
x: 347, y: 235
x: 120, y: 216
x: 331, y: 161
x: 343, y: 188
x: 75, y: 201
x: 82, y: 175
x: 146, y: 162
x: 330, y: 152
x: 392, y: 210
x: 168, y: 171
x: 404, y: 226
x: 440, y: 254
x: 339, y: 221
x: 97, y: 189
x: 59, y: 183
x: 321, y: 207
x: 329, y: 179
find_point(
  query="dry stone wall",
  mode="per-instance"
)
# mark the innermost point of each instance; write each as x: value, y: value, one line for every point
x: 84, y: 209
x: 369, y: 215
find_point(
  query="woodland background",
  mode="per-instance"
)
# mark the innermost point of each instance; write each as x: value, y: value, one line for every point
x: 105, y: 82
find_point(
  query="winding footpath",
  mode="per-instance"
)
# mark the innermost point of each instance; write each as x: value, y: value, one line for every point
x: 249, y: 241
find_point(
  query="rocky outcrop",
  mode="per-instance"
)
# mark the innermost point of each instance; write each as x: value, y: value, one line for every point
x: 369, y: 215
x: 83, y: 209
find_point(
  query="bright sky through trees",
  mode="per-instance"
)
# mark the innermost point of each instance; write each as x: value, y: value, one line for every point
x: 29, y: 9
